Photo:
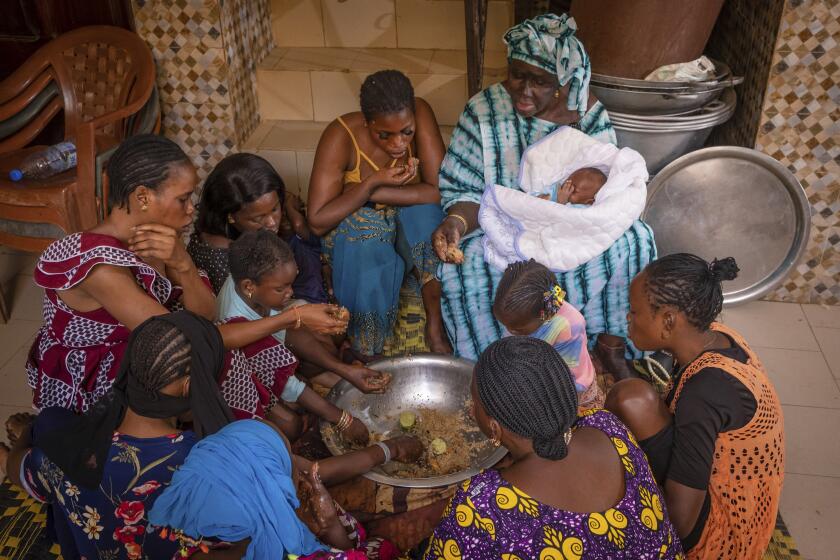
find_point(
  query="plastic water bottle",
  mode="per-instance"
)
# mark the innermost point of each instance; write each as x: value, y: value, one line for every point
x: 46, y: 163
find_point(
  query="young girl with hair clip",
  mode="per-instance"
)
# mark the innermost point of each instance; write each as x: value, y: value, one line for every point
x: 530, y: 302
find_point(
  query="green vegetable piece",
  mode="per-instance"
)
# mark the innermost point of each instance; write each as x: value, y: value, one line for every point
x: 407, y: 420
x: 438, y: 446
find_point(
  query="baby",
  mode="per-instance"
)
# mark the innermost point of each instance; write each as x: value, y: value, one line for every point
x: 580, y: 188
x: 529, y: 302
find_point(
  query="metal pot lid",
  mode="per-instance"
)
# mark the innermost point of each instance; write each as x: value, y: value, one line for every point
x: 729, y: 201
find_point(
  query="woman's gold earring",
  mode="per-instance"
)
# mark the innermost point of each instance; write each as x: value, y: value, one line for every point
x: 495, y: 442
x: 144, y: 207
x: 249, y: 295
x: 230, y: 219
x: 557, y: 94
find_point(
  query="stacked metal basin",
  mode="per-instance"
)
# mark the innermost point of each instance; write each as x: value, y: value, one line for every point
x: 664, y: 120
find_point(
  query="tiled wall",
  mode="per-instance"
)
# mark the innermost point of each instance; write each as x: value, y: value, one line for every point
x: 800, y: 126
x: 206, y: 53
x: 744, y: 37
x: 405, y: 24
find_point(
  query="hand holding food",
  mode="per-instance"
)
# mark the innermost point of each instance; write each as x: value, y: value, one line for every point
x: 405, y: 449
x: 322, y: 318
x: 367, y: 380
x: 447, y: 236
x: 357, y: 432
x: 454, y: 255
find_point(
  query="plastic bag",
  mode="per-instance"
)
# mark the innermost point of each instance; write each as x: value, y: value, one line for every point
x: 694, y: 71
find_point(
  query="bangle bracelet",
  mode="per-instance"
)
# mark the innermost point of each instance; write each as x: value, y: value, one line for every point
x: 462, y: 219
x: 299, y: 322
x: 386, y: 450
x: 344, y: 422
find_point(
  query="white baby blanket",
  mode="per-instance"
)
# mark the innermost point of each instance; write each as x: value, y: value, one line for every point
x: 520, y: 226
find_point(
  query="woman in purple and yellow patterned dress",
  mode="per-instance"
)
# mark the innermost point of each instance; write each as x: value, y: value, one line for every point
x: 601, y: 500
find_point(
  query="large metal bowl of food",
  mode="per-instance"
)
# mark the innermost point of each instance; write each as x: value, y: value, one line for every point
x: 428, y: 397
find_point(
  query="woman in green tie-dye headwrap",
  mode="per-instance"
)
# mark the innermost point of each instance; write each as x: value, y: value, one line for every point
x: 547, y: 87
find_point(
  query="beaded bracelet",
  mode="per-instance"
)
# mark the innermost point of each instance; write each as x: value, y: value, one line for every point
x: 299, y: 321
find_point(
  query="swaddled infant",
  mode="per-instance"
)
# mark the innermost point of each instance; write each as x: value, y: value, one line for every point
x: 580, y: 188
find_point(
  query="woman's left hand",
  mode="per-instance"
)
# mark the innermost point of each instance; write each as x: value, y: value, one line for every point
x: 163, y: 243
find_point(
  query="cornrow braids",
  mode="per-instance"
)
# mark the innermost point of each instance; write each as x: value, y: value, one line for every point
x: 527, y: 287
x: 384, y: 93
x: 257, y: 253
x: 689, y: 284
x: 145, y: 159
x: 526, y: 386
x: 160, y: 354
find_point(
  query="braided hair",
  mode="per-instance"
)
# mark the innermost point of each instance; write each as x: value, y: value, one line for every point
x: 526, y: 386
x: 145, y: 159
x: 690, y: 284
x: 237, y: 180
x: 160, y: 354
x: 257, y: 253
x: 384, y: 93
x: 528, y: 287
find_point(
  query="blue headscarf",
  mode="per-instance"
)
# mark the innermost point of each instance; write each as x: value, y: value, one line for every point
x: 235, y: 484
x: 548, y: 42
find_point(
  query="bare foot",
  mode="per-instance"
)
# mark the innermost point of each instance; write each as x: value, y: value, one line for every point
x: 610, y: 351
x: 16, y: 424
x: 436, y: 338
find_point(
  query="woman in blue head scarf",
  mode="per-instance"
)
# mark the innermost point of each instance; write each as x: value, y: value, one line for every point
x: 547, y: 87
x: 242, y: 485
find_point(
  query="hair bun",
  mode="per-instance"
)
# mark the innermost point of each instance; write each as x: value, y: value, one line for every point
x: 554, y: 448
x: 724, y: 269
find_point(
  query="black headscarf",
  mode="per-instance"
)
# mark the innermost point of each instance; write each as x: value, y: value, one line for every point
x: 80, y: 447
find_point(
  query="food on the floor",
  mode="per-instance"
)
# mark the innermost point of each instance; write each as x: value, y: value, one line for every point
x: 407, y: 420
x: 438, y: 446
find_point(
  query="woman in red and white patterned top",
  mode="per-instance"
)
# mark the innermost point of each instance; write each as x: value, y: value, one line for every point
x: 102, y: 283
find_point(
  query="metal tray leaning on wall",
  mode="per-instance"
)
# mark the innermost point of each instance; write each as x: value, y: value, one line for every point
x: 730, y: 201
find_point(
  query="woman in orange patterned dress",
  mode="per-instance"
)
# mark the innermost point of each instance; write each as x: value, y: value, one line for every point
x: 716, y: 441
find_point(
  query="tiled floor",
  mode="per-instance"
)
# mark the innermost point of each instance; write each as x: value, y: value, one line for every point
x: 799, y: 344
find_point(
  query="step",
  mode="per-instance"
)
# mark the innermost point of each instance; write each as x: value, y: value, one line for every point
x: 290, y: 147
x: 321, y: 83
x: 382, y: 23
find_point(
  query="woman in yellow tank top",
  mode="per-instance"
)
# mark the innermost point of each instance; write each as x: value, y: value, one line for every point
x: 373, y: 197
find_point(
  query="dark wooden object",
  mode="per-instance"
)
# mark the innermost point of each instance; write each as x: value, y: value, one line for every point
x: 27, y: 25
x: 475, y: 16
